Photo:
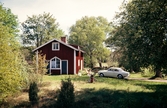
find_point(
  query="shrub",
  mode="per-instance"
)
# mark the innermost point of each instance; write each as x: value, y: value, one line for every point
x: 33, y: 93
x: 66, y: 95
x: 147, y: 72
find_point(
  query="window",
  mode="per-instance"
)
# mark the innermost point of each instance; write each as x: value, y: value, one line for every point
x: 55, y: 46
x: 55, y: 63
x: 78, y: 62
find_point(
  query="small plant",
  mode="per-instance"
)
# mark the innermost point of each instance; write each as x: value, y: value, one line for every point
x: 82, y: 72
x: 66, y: 95
x: 39, y: 65
x: 33, y: 93
x: 147, y: 72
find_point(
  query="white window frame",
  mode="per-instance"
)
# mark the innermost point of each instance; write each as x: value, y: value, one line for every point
x: 55, y: 63
x: 55, y: 49
x: 81, y: 64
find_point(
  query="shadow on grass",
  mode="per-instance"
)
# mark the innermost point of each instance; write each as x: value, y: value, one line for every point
x: 46, y: 98
x: 106, y: 98
x: 160, y: 92
x: 45, y: 101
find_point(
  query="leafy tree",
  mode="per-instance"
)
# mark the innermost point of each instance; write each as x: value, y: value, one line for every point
x: 38, y: 29
x: 8, y: 19
x: 141, y: 34
x: 102, y: 55
x: 12, y: 65
x: 27, y: 52
x: 90, y: 33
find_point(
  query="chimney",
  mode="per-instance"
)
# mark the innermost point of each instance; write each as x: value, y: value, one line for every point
x: 64, y: 39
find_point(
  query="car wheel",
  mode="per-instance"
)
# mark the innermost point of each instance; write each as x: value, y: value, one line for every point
x: 101, y: 75
x: 120, y: 76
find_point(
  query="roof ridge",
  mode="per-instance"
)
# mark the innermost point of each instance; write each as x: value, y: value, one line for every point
x: 68, y: 45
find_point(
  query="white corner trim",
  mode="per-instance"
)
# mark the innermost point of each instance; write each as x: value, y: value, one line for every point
x: 74, y: 62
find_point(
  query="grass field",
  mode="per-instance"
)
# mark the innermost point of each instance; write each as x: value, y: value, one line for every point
x: 103, y: 93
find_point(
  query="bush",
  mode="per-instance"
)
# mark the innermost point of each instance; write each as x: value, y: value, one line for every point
x: 66, y: 95
x: 33, y: 93
x: 147, y: 72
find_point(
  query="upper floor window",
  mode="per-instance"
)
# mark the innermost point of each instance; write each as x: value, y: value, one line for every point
x: 55, y: 46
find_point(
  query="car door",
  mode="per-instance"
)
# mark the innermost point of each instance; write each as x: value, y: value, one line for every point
x: 115, y: 72
x: 107, y: 73
x: 110, y: 72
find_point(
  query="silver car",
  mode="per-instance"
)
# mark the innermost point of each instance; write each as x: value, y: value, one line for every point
x: 114, y: 72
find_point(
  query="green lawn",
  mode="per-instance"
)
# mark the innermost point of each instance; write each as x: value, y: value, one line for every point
x: 116, y: 93
x: 103, y: 93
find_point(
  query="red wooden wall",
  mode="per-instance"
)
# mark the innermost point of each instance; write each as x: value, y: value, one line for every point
x: 64, y: 53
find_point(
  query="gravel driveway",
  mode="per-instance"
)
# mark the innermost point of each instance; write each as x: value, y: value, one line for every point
x: 147, y: 79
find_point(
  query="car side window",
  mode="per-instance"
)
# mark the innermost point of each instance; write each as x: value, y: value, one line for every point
x: 109, y: 69
x: 116, y: 70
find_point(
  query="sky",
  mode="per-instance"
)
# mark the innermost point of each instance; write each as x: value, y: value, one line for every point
x: 66, y: 12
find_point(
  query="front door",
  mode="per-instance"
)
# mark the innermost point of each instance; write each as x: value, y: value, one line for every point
x: 64, y: 67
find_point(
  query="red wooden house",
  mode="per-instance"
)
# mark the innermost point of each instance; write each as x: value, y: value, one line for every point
x: 62, y: 58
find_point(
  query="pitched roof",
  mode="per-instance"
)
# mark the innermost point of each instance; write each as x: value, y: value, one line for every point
x: 70, y: 46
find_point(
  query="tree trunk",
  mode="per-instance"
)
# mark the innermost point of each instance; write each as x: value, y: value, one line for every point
x: 37, y: 41
x: 158, y: 73
x: 100, y: 64
x: 91, y: 61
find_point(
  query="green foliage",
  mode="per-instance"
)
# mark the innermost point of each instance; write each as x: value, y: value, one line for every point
x: 66, y: 97
x: 90, y: 33
x: 147, y: 72
x: 27, y: 52
x: 102, y: 55
x: 38, y: 66
x: 12, y: 66
x: 8, y: 19
x: 141, y: 34
x: 82, y: 72
x: 33, y: 93
x: 38, y: 29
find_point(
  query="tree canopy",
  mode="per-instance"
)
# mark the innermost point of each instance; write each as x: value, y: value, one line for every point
x: 90, y: 33
x: 8, y: 19
x: 38, y: 29
x: 142, y: 34
x: 12, y: 65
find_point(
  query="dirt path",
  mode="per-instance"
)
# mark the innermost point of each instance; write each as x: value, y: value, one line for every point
x: 147, y: 79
